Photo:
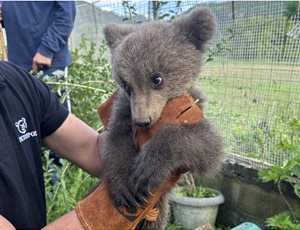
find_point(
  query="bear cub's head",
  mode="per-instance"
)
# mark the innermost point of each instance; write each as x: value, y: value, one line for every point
x: 157, y: 61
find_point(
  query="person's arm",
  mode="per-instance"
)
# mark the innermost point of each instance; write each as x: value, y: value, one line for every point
x: 6, y: 225
x: 77, y: 142
x: 57, y: 34
x: 80, y: 144
x: 68, y: 221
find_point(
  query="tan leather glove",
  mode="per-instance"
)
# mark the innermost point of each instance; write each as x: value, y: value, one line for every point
x: 98, y: 211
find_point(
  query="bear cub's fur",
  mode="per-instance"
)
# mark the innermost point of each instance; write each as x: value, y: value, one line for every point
x: 151, y: 64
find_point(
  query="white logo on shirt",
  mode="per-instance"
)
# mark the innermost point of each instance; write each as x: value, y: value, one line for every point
x: 22, y: 128
x: 21, y: 125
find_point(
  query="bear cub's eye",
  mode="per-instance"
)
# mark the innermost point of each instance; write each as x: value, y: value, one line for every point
x: 156, y: 80
x: 126, y: 87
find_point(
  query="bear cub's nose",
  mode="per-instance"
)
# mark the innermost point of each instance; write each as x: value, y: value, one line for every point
x: 143, y: 122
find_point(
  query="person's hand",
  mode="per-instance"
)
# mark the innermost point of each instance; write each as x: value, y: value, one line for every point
x: 39, y: 61
x: 5, y: 224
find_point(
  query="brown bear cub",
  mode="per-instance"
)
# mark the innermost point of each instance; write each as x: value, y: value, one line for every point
x: 153, y: 63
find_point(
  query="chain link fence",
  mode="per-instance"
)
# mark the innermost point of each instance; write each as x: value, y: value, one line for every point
x: 252, y: 74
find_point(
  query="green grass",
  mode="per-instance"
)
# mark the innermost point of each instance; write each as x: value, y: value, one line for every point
x: 251, y: 104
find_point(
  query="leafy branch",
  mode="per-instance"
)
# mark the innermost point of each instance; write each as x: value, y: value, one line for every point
x: 220, y: 46
x: 290, y: 171
x: 89, y: 81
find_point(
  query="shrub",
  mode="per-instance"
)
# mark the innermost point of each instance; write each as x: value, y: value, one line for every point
x: 88, y: 84
x: 290, y: 172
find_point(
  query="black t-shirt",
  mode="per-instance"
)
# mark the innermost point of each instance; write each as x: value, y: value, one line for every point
x: 28, y: 112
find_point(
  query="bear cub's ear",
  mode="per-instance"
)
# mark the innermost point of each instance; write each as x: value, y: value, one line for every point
x: 198, y: 26
x: 114, y: 34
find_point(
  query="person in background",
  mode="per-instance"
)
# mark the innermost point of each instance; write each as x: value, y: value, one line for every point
x: 31, y: 116
x: 38, y: 32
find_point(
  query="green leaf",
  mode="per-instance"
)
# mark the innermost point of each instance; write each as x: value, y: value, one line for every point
x: 296, y: 170
x: 267, y: 175
x: 282, y: 221
x: 199, y: 192
x: 297, y: 213
x: 295, y: 123
x: 164, y: 15
x: 297, y: 189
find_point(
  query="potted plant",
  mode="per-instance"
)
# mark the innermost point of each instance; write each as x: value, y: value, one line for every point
x: 194, y: 206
